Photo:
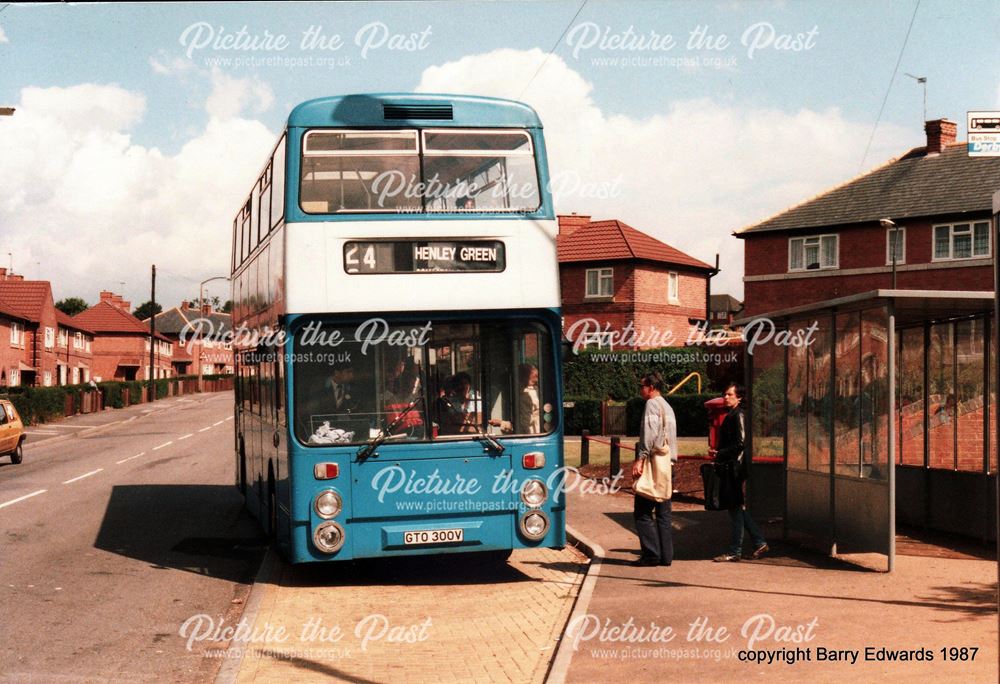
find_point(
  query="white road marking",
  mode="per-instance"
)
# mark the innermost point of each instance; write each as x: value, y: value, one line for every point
x: 190, y: 434
x: 218, y: 423
x: 163, y: 445
x: 130, y: 458
x: 205, y: 428
x: 229, y: 418
x: 40, y: 432
x: 92, y: 472
x: 72, y: 427
x: 22, y: 498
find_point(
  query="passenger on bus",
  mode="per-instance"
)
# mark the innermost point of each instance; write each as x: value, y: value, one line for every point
x: 341, y: 389
x: 528, y: 414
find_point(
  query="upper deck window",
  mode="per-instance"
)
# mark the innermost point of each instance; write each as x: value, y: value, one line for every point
x: 409, y: 171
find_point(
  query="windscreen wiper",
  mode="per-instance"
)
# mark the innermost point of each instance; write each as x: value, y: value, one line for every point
x: 386, y: 432
x: 489, y: 442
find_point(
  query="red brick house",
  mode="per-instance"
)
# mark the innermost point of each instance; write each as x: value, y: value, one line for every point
x: 39, y: 345
x: 121, y: 342
x: 204, y: 344
x: 723, y: 309
x: 623, y: 289
x: 937, y: 200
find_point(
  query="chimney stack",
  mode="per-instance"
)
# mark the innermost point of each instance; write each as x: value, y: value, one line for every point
x: 206, y: 309
x: 571, y: 223
x: 940, y: 134
x: 115, y: 300
x: 3, y: 274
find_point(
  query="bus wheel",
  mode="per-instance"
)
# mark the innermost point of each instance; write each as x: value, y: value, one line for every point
x: 17, y: 455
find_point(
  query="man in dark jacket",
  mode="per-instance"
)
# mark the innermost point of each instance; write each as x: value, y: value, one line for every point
x: 733, y: 468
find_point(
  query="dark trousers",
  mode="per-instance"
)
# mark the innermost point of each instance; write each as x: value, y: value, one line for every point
x: 655, y: 539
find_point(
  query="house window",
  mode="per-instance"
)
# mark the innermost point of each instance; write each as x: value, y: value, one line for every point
x: 15, y: 377
x: 16, y: 334
x: 897, y: 236
x: 810, y: 253
x: 47, y: 378
x: 600, y: 282
x: 673, y: 291
x: 962, y: 241
x: 600, y: 340
x: 88, y: 343
x: 63, y: 337
x: 76, y: 376
x: 50, y: 338
x: 78, y: 341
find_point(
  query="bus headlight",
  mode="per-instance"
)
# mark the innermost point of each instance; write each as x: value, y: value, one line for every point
x: 328, y: 504
x: 328, y: 537
x: 534, y: 525
x: 534, y: 493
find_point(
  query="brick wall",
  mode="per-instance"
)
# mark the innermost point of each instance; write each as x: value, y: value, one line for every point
x: 640, y: 297
x: 860, y: 247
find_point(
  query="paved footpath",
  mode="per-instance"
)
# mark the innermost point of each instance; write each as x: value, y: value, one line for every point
x: 431, y: 619
x: 786, y: 606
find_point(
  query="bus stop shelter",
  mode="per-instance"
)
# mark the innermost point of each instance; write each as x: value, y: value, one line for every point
x: 881, y: 408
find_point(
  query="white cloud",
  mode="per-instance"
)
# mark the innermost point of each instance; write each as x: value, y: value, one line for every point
x: 3, y: 36
x: 166, y: 65
x: 230, y: 96
x: 94, y: 209
x: 689, y: 175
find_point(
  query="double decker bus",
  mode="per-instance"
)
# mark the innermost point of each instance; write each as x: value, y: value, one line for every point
x: 396, y: 303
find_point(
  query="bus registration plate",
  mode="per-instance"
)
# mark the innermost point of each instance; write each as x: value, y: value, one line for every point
x: 433, y: 536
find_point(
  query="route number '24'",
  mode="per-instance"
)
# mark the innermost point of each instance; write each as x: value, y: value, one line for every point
x: 351, y: 258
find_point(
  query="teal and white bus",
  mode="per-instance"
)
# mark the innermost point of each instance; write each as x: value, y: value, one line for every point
x: 396, y: 307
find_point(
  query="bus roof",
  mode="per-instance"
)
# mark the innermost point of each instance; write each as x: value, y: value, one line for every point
x: 393, y: 110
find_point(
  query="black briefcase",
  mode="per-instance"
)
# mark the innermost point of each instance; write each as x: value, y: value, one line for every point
x: 713, y: 487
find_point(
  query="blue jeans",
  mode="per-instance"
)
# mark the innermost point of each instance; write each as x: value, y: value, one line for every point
x: 739, y: 517
x: 655, y: 538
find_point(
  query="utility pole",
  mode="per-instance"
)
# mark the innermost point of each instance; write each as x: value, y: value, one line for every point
x: 152, y: 338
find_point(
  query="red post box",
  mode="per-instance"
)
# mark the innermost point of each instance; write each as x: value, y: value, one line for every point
x: 717, y: 411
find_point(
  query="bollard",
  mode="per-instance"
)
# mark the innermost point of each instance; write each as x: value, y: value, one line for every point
x: 584, y: 448
x: 616, y: 456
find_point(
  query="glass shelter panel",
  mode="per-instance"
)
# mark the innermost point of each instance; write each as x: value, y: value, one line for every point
x: 768, y: 397
x: 797, y: 386
x: 874, y: 394
x: 819, y: 396
x: 846, y: 412
x: 910, y: 396
x: 941, y: 396
x: 970, y: 345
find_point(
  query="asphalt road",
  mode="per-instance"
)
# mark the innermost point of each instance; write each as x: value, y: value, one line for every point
x: 110, y: 542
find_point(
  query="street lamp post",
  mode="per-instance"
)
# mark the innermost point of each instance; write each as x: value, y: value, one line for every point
x: 201, y: 344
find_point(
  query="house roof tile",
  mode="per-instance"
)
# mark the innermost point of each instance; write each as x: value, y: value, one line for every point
x: 25, y: 298
x: 614, y: 240
x: 916, y: 185
x: 67, y: 321
x: 107, y: 318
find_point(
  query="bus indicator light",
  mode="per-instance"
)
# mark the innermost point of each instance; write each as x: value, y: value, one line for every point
x: 533, y: 460
x: 326, y: 471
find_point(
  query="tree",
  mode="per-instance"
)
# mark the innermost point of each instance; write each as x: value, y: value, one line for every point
x: 71, y: 306
x: 147, y: 309
x: 228, y: 306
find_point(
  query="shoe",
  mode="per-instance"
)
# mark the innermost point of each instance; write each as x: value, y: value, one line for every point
x: 760, y: 551
x: 666, y: 565
x: 726, y: 558
x: 644, y: 562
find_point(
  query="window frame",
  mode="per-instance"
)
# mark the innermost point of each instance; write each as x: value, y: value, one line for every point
x: 610, y: 276
x: 901, y: 257
x: 951, y: 241
x: 819, y: 245
x: 673, y: 287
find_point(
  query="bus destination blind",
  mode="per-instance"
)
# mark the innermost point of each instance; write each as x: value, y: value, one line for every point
x: 424, y: 256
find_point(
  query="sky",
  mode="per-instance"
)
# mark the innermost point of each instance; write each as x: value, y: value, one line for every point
x: 139, y: 129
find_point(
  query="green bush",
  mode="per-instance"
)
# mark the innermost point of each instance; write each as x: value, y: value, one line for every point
x: 615, y: 375
x: 38, y: 404
x: 584, y: 414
